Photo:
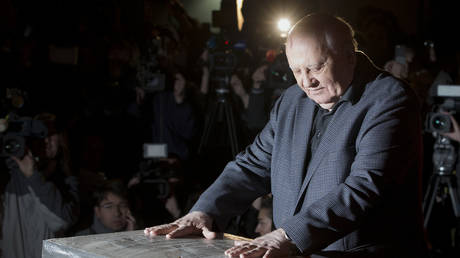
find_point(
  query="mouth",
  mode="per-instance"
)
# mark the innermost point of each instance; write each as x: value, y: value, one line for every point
x: 119, y: 223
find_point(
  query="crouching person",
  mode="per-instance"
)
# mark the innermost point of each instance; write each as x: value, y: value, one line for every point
x: 111, y: 210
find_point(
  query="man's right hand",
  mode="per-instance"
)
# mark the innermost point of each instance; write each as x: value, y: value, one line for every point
x: 194, y: 223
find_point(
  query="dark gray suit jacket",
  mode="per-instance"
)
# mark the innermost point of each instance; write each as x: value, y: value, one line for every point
x: 361, y: 186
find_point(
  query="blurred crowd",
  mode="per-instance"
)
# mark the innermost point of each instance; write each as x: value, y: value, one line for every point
x: 104, y: 91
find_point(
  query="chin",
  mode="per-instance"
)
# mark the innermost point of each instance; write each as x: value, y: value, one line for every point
x: 118, y: 227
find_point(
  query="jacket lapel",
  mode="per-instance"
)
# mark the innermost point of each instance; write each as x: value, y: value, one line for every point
x: 333, y: 129
x: 300, y: 140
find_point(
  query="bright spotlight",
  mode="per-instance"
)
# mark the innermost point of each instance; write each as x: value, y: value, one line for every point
x: 284, y: 25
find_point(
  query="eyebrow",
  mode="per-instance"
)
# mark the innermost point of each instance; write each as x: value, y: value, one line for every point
x: 317, y: 64
x: 310, y: 67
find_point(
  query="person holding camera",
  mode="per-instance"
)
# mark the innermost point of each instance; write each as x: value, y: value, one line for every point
x: 341, y: 155
x: 41, y: 199
x: 255, y: 102
x: 169, y: 115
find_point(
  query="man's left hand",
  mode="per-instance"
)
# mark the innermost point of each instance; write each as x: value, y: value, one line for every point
x: 273, y: 244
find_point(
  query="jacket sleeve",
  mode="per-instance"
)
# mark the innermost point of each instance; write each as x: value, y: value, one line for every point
x: 386, y: 149
x: 242, y: 180
x: 60, y: 209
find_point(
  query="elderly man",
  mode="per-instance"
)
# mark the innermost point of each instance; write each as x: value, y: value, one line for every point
x: 341, y: 155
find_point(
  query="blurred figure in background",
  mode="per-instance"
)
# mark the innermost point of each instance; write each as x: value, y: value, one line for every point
x: 41, y: 199
x: 111, y: 210
x: 169, y: 115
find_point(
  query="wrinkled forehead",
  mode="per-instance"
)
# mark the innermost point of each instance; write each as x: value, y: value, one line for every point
x: 310, y: 40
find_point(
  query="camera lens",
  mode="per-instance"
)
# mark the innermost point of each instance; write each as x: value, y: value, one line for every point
x: 12, y: 146
x: 441, y: 123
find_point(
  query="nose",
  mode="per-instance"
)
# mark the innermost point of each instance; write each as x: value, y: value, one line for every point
x: 118, y: 210
x: 306, y: 79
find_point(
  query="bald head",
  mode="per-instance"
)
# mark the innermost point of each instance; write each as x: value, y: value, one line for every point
x: 334, y: 34
x: 321, y: 54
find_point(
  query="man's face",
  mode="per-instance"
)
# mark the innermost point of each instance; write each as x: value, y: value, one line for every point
x: 179, y: 83
x: 321, y: 74
x: 112, y: 212
x: 51, y: 146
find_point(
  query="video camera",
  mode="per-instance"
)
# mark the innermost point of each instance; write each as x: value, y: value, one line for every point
x: 446, y: 99
x: 153, y: 176
x: 14, y: 134
x: 223, y: 60
x: 278, y: 74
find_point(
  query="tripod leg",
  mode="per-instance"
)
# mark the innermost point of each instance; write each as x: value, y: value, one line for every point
x: 428, y: 191
x: 427, y: 213
x: 454, y: 198
x: 210, y: 120
x: 231, y: 128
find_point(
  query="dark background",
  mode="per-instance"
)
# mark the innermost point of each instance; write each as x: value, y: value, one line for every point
x: 82, y: 92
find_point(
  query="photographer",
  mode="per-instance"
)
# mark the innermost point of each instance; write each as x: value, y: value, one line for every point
x: 171, y: 117
x: 41, y: 198
x: 253, y: 104
x: 258, y: 101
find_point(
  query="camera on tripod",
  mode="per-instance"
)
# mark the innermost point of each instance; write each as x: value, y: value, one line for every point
x: 223, y: 61
x: 222, y: 64
x: 447, y: 99
x: 16, y: 132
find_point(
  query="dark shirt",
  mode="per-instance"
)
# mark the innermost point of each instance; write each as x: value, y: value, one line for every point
x: 321, y: 120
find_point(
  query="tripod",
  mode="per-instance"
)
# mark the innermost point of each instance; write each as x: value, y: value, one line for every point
x: 219, y: 108
x: 444, y: 159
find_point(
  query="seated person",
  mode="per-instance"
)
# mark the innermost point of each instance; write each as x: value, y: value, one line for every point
x: 111, y: 210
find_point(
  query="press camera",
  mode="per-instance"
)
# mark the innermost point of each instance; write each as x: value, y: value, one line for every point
x: 278, y: 74
x: 17, y: 130
x: 446, y: 99
x: 225, y: 58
